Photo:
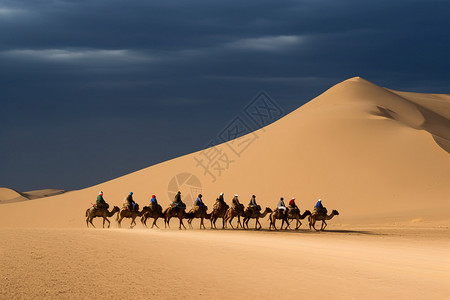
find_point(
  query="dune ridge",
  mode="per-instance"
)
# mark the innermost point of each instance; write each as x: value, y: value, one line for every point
x: 8, y: 195
x: 375, y: 154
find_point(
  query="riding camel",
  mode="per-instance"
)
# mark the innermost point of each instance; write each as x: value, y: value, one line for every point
x: 219, y: 211
x: 174, y: 212
x: 254, y: 214
x: 93, y: 212
x: 316, y: 216
x: 231, y: 213
x: 198, y: 214
x: 155, y: 212
x: 294, y: 214
x: 278, y: 215
x: 126, y: 213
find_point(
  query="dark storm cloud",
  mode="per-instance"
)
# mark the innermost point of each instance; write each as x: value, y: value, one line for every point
x: 115, y: 86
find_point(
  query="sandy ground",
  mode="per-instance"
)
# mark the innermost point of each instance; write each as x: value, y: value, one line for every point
x: 343, y: 263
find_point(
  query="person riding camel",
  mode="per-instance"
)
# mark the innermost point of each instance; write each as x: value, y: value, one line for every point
x: 320, y: 208
x: 253, y: 205
x: 220, y: 199
x: 101, y: 203
x: 130, y: 203
x: 292, y: 204
x: 177, y: 201
x: 220, y: 202
x: 153, y: 201
x: 281, y: 206
x: 198, y: 204
x: 235, y: 204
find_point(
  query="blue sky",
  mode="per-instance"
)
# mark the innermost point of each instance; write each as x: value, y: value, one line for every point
x: 92, y: 90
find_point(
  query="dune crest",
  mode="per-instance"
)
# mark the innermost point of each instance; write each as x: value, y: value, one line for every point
x: 8, y: 195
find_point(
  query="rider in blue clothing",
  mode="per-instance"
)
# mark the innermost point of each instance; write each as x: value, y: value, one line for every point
x: 319, y: 204
x: 153, y: 201
x: 199, y: 201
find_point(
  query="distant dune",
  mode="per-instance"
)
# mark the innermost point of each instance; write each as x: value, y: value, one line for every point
x: 9, y: 195
x: 377, y: 155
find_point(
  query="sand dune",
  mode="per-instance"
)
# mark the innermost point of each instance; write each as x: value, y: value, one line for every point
x: 9, y: 195
x: 374, y: 154
x: 381, y: 157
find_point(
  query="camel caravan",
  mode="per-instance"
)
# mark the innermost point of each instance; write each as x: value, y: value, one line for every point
x: 221, y: 210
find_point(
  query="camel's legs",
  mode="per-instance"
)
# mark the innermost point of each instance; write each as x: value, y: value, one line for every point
x: 287, y: 222
x: 181, y: 223
x: 313, y: 224
x: 202, y: 224
x: 109, y: 223
x: 87, y: 222
x: 239, y: 222
x: 231, y: 219
x: 190, y: 223
x: 272, y: 223
x: 298, y: 224
x: 154, y: 223
x: 243, y: 223
x: 166, y: 223
x: 133, y: 221
x: 257, y: 223
x: 144, y: 221
x: 90, y: 221
x: 323, y: 223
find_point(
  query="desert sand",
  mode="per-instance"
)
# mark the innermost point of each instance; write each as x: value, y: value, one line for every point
x: 378, y: 156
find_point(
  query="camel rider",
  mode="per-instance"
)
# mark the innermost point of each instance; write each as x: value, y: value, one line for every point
x: 235, y: 202
x: 101, y: 203
x: 177, y: 200
x: 319, y: 204
x: 292, y: 204
x: 281, y: 206
x: 253, y: 205
x: 131, y: 204
x: 220, y: 199
x: 199, y: 203
x: 220, y: 203
x: 319, y: 207
x: 153, y: 201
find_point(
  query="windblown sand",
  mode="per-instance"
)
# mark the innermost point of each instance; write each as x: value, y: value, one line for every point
x: 380, y: 157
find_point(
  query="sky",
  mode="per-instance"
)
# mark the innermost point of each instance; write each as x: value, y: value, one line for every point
x: 91, y: 90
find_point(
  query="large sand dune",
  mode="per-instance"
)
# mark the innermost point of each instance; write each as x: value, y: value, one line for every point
x: 374, y: 154
x: 380, y: 157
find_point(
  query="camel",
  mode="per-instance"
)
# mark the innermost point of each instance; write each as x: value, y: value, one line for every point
x: 92, y: 213
x: 294, y: 214
x: 231, y: 213
x: 252, y: 214
x: 277, y: 215
x: 315, y: 216
x: 126, y: 213
x: 199, y: 214
x: 154, y: 212
x: 172, y: 212
x: 219, y: 211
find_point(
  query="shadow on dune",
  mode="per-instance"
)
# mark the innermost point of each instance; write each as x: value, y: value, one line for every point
x: 435, y: 124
